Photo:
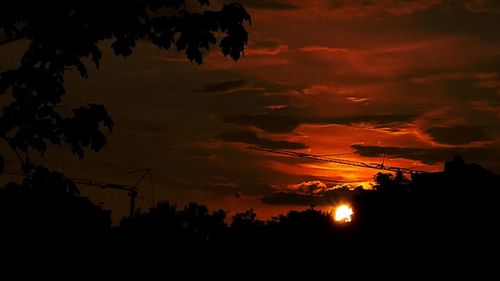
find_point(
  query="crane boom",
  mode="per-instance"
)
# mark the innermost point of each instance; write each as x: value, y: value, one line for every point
x: 102, y: 185
x: 133, y: 191
x: 336, y: 160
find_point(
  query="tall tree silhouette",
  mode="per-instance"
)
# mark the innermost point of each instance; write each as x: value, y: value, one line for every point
x: 62, y: 34
x: 45, y: 203
x: 388, y: 182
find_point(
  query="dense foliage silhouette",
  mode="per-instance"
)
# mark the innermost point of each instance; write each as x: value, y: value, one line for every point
x: 428, y: 213
x: 61, y: 36
x: 429, y: 210
x: 418, y: 224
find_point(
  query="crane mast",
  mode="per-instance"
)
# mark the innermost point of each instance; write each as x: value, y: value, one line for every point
x: 133, y: 191
x: 320, y: 158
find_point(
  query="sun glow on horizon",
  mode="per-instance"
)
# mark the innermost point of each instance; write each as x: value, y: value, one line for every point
x: 343, y: 213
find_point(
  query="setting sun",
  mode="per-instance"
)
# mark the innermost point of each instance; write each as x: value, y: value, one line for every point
x: 343, y: 213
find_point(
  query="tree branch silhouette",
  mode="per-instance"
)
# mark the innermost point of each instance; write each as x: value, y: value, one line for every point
x: 62, y: 35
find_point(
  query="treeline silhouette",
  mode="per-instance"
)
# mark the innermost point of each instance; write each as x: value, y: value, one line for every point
x: 431, y: 213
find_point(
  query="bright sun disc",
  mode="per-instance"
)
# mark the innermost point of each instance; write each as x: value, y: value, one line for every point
x: 343, y: 213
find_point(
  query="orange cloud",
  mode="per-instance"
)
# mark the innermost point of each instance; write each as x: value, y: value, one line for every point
x: 322, y: 49
x: 280, y: 49
x: 358, y: 99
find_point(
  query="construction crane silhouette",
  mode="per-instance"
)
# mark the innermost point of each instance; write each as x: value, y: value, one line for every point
x: 133, y: 190
x: 380, y: 166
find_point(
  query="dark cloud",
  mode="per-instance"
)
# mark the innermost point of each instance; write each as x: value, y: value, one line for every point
x: 406, y: 7
x: 238, y: 189
x: 269, y: 5
x: 256, y: 189
x: 337, y: 4
x: 264, y: 43
x: 376, y: 119
x: 298, y: 198
x: 457, y: 135
x: 426, y: 155
x: 223, y: 87
x: 430, y: 155
x: 194, y: 152
x: 250, y: 137
x: 270, y: 123
x: 475, y: 19
x: 287, y: 124
x: 379, y: 121
x: 459, y: 19
x: 466, y: 89
x: 292, y: 198
x: 491, y: 5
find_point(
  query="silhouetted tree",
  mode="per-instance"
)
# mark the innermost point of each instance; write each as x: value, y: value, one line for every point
x: 48, y: 203
x: 389, y: 183
x: 62, y: 34
x: 246, y: 230
x: 245, y: 218
x: 166, y: 226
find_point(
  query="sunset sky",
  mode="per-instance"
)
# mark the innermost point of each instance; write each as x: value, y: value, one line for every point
x: 418, y: 81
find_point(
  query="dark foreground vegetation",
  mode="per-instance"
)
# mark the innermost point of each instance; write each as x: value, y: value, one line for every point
x: 450, y: 213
